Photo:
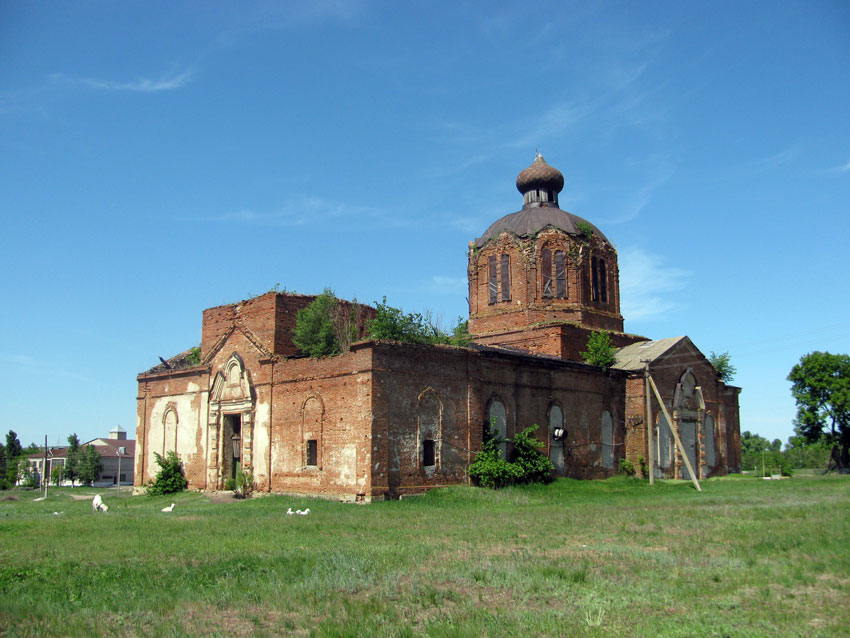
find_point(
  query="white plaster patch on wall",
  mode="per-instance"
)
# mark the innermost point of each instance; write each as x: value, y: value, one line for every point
x: 192, y: 387
x: 261, y: 443
x: 346, y: 462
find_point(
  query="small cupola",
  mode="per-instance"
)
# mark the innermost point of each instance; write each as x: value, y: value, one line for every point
x: 540, y: 184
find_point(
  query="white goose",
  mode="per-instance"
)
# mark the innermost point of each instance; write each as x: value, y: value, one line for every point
x: 168, y: 509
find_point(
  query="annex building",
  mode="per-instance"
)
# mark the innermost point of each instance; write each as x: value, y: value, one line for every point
x: 385, y: 419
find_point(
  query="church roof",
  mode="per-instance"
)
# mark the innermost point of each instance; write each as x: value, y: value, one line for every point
x: 633, y: 356
x: 532, y: 219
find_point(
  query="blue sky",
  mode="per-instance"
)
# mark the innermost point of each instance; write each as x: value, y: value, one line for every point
x: 157, y: 159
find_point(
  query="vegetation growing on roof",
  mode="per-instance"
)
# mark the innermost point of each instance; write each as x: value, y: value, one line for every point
x: 723, y: 364
x: 585, y: 229
x: 600, y: 351
x: 194, y: 356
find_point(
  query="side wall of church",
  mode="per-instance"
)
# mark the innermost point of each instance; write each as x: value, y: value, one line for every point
x: 329, y: 402
x: 171, y: 416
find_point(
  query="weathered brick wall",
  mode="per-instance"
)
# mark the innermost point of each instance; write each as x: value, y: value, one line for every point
x: 340, y: 391
x: 171, y: 409
x: 527, y: 305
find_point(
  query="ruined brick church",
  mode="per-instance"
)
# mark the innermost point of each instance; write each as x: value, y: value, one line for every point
x: 386, y: 419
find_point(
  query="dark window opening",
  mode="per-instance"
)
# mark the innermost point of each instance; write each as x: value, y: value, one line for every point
x: 312, y: 452
x: 494, y: 292
x: 603, y: 282
x: 233, y: 431
x: 429, y: 458
x: 506, y: 278
x: 546, y: 267
x: 594, y: 279
x: 560, y: 275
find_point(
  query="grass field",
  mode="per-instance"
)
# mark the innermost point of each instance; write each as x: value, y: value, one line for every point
x: 746, y: 557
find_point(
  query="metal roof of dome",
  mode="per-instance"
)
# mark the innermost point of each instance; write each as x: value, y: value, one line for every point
x: 539, y: 175
x: 532, y: 219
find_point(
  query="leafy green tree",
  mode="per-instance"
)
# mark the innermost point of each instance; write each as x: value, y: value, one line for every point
x: 460, y: 333
x: 315, y: 334
x: 393, y: 324
x: 170, y: 478
x: 56, y: 475
x: 4, y: 483
x: 89, y: 467
x: 820, y: 384
x: 600, y: 351
x: 723, y: 364
x: 534, y: 466
x: 72, y: 459
x: 13, y: 453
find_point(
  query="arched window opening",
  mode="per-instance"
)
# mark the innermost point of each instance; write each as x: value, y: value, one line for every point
x: 506, y: 277
x: 312, y: 424
x: 493, y: 284
x: 607, y: 440
x: 557, y: 437
x: 603, y: 282
x: 594, y: 279
x: 546, y: 267
x: 497, y: 420
x: 560, y: 275
x: 708, y: 441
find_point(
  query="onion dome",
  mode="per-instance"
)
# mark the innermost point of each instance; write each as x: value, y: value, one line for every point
x: 540, y: 176
x: 539, y: 185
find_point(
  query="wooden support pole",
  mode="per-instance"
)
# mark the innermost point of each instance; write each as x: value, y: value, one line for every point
x: 650, y: 453
x: 675, y: 435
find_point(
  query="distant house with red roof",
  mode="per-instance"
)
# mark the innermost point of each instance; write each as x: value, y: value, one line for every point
x: 117, y: 456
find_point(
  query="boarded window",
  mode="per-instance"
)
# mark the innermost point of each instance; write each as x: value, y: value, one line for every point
x: 312, y: 452
x: 506, y: 277
x: 708, y: 442
x: 607, y: 440
x: 560, y: 275
x: 429, y: 458
x: 546, y: 267
x: 594, y: 279
x: 556, y: 446
x: 603, y: 282
x: 497, y: 419
x: 664, y: 438
x: 494, y: 292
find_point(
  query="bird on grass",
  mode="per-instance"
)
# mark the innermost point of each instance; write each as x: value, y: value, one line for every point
x: 167, y: 509
x: 304, y: 513
x: 290, y: 512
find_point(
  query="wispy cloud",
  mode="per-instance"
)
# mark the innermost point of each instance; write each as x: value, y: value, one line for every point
x: 167, y: 82
x: 29, y: 364
x: 844, y: 168
x: 454, y: 286
x: 300, y: 211
x: 662, y: 171
x: 646, y: 283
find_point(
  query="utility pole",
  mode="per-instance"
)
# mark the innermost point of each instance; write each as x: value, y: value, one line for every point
x: 44, y: 475
x: 650, y: 453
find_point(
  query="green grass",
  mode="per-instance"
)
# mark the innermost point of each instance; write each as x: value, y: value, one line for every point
x: 745, y: 557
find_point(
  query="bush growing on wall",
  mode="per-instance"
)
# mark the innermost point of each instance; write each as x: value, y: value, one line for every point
x: 490, y: 469
x: 170, y: 477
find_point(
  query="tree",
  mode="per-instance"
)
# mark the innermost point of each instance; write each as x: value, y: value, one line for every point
x: 723, y: 364
x: 820, y: 384
x: 314, y: 331
x: 89, y: 467
x: 72, y: 458
x: 393, y: 324
x: 528, y: 465
x: 328, y: 326
x: 600, y: 351
x: 57, y: 473
x: 13, y: 453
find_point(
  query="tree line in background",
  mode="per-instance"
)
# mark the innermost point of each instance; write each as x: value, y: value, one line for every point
x: 82, y: 464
